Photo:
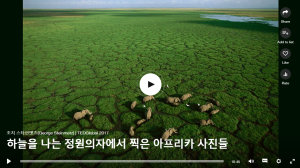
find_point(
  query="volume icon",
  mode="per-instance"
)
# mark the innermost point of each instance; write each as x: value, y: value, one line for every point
x: 251, y: 161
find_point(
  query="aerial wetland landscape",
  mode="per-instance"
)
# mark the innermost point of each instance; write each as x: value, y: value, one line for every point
x: 92, y: 59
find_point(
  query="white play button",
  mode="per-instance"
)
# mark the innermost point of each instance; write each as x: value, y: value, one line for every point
x: 8, y: 161
x: 150, y: 84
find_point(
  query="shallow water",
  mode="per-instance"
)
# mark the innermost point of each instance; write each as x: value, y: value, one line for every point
x: 240, y: 19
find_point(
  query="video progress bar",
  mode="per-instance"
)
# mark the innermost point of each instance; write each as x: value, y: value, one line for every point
x: 122, y: 161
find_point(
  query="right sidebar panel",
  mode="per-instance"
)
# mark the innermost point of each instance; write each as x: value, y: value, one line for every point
x: 289, y: 98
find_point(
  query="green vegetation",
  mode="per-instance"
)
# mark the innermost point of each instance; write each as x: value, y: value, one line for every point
x: 75, y: 59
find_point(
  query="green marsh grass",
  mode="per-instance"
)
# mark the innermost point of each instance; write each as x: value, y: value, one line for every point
x: 75, y: 59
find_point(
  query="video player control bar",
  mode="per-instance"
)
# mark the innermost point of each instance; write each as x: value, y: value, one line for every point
x: 122, y: 161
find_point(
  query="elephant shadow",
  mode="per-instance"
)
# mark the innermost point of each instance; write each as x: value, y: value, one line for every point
x: 194, y: 106
x: 176, y: 95
x: 140, y: 109
x: 140, y: 98
x: 71, y: 113
x: 127, y: 104
x: 161, y: 99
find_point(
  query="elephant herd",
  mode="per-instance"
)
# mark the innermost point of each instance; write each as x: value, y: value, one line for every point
x: 175, y: 101
x: 170, y: 100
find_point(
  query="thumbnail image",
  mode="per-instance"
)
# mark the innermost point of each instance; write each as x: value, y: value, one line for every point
x: 219, y: 73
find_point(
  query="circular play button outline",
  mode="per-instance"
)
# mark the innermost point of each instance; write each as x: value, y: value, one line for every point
x: 285, y: 33
x: 150, y: 83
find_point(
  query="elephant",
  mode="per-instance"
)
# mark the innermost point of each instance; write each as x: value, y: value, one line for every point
x: 131, y: 132
x: 133, y: 104
x: 173, y: 100
x: 147, y: 98
x: 168, y: 133
x: 80, y: 115
x: 186, y: 96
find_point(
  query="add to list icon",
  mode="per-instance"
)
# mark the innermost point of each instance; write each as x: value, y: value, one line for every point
x: 285, y: 33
